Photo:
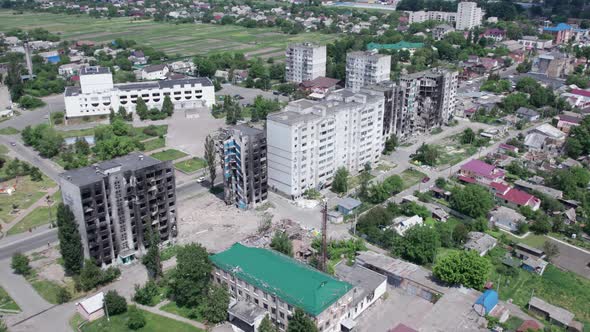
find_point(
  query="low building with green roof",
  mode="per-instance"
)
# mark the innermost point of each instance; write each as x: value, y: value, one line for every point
x: 279, y: 284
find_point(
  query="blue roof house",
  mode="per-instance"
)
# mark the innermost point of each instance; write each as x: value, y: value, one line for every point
x: 486, y: 302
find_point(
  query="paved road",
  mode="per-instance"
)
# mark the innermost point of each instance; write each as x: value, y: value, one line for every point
x: 54, y: 103
x: 15, y: 144
x: 27, y: 241
x: 248, y: 94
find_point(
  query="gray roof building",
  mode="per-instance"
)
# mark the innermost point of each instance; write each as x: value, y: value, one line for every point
x: 480, y: 242
x: 506, y: 218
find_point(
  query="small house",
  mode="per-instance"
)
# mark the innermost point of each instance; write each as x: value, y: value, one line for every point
x: 91, y: 308
x: 534, y: 265
x: 554, y: 314
x: 482, y: 243
x: 506, y: 218
x: 527, y: 114
x: 347, y: 205
x: 486, y: 302
x: 402, y: 224
x: 524, y: 251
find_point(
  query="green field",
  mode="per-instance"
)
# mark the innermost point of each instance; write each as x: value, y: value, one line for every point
x: 9, y: 131
x: 37, y: 217
x: 184, y: 39
x: 27, y: 193
x: 411, y: 177
x: 154, y: 144
x: 6, y: 302
x: 180, y: 311
x: 154, y: 323
x: 191, y: 165
x: 170, y: 154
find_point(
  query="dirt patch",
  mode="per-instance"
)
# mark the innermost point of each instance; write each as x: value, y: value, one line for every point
x: 272, y: 55
x: 45, y: 262
x: 261, y: 51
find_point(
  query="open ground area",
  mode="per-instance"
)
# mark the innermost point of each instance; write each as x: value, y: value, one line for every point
x: 6, y: 302
x: 184, y: 39
x: 27, y: 193
x: 191, y: 165
x: 153, y: 323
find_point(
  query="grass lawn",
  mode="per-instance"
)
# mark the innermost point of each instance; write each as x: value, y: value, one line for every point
x: 168, y: 252
x: 77, y: 133
x: 354, y: 181
x: 46, y: 288
x: 161, y: 130
x: 27, y: 193
x: 75, y: 321
x: 191, y: 165
x: 184, y: 39
x: 532, y: 240
x: 513, y: 323
x: 385, y: 167
x: 170, y: 154
x: 153, y: 144
x: 180, y: 311
x: 154, y: 323
x: 9, y: 131
x: 560, y: 288
x: 411, y: 177
x: 3, y: 149
x: 38, y: 217
x: 6, y: 302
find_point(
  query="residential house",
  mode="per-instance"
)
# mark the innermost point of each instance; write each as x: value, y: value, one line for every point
x: 319, y: 87
x: 534, y: 42
x: 347, y: 205
x: 566, y: 122
x: 577, y: 98
x: 478, y: 171
x: 506, y: 218
x: 154, y: 72
x: 514, y: 198
x: 368, y: 286
x: 524, y: 251
x: 486, y: 302
x: 507, y: 148
x: 221, y: 74
x: 553, y: 64
x: 544, y: 138
x: 534, y: 265
x: 441, y: 30
x: 512, y: 45
x: 70, y: 69
x: 138, y: 58
x: 403, y: 223
x: 527, y: 114
x: 495, y: 34
x: 553, y: 314
x: 529, y: 325
x: 480, y: 242
x: 528, y: 186
x: 91, y: 308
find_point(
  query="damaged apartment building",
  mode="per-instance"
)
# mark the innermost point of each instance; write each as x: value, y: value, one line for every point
x: 242, y: 151
x: 418, y: 102
x: 114, y: 201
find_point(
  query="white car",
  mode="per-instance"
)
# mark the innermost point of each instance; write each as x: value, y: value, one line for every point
x: 200, y: 179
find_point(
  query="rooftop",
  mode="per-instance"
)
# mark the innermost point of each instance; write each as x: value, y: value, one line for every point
x: 518, y: 197
x: 93, y: 303
x: 364, y: 280
x: 247, y: 312
x: 349, y: 203
x: 295, y: 283
x: 320, y: 82
x: 397, y: 46
x: 91, y: 174
x: 154, y: 68
x: 478, y: 167
x: 480, y: 242
x: 559, y: 314
x: 92, y: 70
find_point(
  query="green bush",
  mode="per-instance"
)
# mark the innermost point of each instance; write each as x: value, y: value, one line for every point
x: 136, y: 318
x: 20, y: 264
x: 115, y: 303
x: 63, y: 296
x: 30, y: 102
x: 147, y: 294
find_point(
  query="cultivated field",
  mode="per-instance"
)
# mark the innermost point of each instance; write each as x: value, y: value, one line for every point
x: 184, y: 39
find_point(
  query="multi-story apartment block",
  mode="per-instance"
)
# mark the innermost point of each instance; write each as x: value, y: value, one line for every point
x: 115, y: 201
x: 423, y: 16
x: 310, y: 140
x: 389, y: 91
x: 424, y: 100
x: 469, y: 16
x: 305, y: 62
x: 97, y: 95
x: 366, y: 67
x: 264, y: 282
x: 243, y: 161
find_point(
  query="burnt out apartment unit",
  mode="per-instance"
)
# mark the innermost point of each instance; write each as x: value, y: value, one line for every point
x: 242, y: 151
x: 115, y: 201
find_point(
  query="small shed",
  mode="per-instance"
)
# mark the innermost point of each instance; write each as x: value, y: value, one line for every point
x: 486, y: 302
x: 347, y: 205
x: 91, y: 308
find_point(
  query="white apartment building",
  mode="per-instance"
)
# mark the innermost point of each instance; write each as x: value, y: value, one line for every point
x: 97, y: 94
x: 423, y: 16
x: 154, y: 72
x: 366, y: 67
x: 305, y: 62
x: 310, y: 140
x: 468, y: 16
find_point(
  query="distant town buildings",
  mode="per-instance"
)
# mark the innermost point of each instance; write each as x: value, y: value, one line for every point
x: 310, y: 140
x: 97, y: 95
x: 115, y: 200
x: 242, y: 152
x: 305, y: 62
x: 364, y: 68
x: 467, y: 16
x: 441, y: 30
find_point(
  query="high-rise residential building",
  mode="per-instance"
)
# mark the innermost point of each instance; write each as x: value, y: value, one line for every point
x: 310, y: 140
x: 389, y: 91
x: 97, y: 95
x: 424, y: 100
x: 469, y: 16
x: 115, y: 201
x: 243, y: 160
x: 305, y: 62
x: 366, y: 67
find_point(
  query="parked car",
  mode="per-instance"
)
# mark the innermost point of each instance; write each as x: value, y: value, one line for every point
x: 425, y: 179
x: 200, y: 179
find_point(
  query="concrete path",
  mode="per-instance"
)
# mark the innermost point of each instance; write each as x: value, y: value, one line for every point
x: 21, y: 292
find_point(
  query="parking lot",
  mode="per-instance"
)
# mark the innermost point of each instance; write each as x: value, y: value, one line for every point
x: 572, y: 259
x: 248, y: 94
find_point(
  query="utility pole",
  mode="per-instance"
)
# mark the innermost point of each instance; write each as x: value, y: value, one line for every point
x: 48, y: 200
x: 324, y: 235
x: 106, y: 309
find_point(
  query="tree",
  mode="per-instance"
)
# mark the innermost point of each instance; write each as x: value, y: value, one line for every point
x: 267, y: 326
x: 419, y: 244
x: 20, y: 264
x: 210, y: 154
x: 152, y: 260
x: 390, y: 145
x: 141, y: 109
x: 465, y: 268
x: 551, y: 249
x: 35, y: 174
x: 145, y: 295
x: 3, y: 327
x: 281, y: 243
x: 472, y: 200
x: 115, y: 303
x: 340, y: 182
x: 300, y: 322
x: 190, y: 279
x: 167, y: 106
x: 514, y: 101
x: 63, y: 295
x: 214, y: 308
x: 427, y: 154
x: 90, y: 275
x: 136, y: 319
x: 70, y: 244
x: 467, y: 137
x: 542, y: 225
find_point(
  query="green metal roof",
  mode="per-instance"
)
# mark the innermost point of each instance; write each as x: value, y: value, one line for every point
x: 296, y: 283
x: 397, y: 46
